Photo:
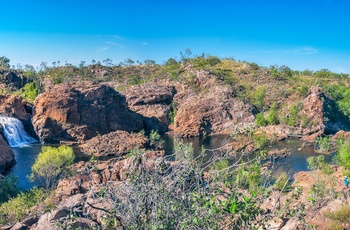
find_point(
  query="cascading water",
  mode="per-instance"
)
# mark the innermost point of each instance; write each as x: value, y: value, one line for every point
x: 14, y: 132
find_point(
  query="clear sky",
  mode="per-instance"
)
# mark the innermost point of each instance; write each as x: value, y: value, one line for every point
x: 302, y: 34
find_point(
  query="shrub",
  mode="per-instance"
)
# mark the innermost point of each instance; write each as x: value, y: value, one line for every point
x: 272, y: 116
x: 51, y: 163
x: 8, y: 188
x: 282, y: 182
x: 258, y: 97
x: 155, y: 139
x: 173, y: 112
x: 177, y: 197
x: 260, y: 120
x: 29, y: 92
x: 324, y: 143
x: 260, y: 139
x: 213, y: 60
x: 16, y: 208
x: 342, y: 157
x: 341, y: 215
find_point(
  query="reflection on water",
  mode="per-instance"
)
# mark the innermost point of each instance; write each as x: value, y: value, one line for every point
x: 292, y: 164
x: 26, y: 155
x: 296, y: 162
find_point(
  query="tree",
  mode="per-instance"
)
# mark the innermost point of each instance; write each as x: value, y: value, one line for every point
x: 149, y: 62
x: 342, y: 157
x: 51, y: 163
x: 272, y: 116
x: 260, y: 120
x: 129, y: 62
x: 108, y: 61
x: 4, y: 62
x: 171, y: 62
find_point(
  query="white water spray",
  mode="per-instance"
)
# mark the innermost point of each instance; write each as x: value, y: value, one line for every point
x: 14, y: 132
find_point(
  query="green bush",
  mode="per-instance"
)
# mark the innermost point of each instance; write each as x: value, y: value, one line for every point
x: 173, y: 112
x: 155, y: 139
x: 260, y: 120
x: 260, y: 139
x: 293, y: 115
x: 8, y: 188
x: 342, y: 156
x: 258, y: 97
x: 341, y: 215
x: 282, y: 182
x: 272, y: 116
x: 324, y: 143
x: 51, y: 163
x: 16, y: 208
x: 29, y: 92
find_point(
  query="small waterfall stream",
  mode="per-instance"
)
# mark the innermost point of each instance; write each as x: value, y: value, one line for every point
x: 14, y: 132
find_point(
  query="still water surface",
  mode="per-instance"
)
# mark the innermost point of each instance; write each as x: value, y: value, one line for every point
x: 26, y: 155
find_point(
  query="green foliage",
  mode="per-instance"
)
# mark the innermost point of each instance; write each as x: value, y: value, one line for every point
x: 260, y: 139
x: 324, y: 143
x: 247, y: 177
x: 341, y: 215
x: 341, y: 94
x: 29, y: 92
x: 293, y: 116
x: 51, y: 163
x: 4, y: 62
x: 155, y: 139
x: 282, y: 182
x: 173, y: 111
x: 219, y: 168
x: 303, y: 90
x: 318, y: 163
x: 272, y: 116
x: 177, y: 197
x: 258, y: 96
x: 260, y: 120
x: 213, y: 60
x: 8, y: 188
x: 342, y: 156
x: 183, y: 151
x: 16, y: 208
x: 171, y: 62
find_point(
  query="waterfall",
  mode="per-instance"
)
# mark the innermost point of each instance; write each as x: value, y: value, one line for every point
x: 14, y: 132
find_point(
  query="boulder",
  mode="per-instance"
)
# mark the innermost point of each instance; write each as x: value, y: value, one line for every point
x: 7, y: 157
x: 79, y: 112
x: 153, y: 102
x: 212, y: 113
x: 83, y: 223
x: 115, y: 143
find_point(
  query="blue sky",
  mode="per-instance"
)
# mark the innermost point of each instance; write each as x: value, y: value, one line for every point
x: 300, y: 34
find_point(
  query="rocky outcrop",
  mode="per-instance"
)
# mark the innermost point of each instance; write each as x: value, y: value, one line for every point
x: 81, y: 111
x: 115, y: 143
x: 217, y: 112
x: 13, y: 106
x: 7, y: 157
x: 13, y: 80
x: 153, y: 102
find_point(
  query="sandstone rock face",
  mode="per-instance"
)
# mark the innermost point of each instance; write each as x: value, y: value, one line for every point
x: 313, y: 108
x: 13, y: 80
x: 212, y: 113
x: 115, y: 143
x: 80, y: 112
x: 7, y: 157
x: 153, y: 102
